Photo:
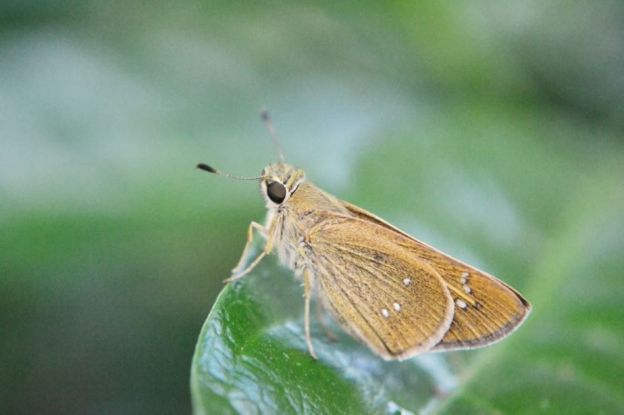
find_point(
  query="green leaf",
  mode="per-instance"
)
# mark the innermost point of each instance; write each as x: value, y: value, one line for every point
x: 251, y: 357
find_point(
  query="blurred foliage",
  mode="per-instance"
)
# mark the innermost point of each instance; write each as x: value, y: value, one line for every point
x: 490, y: 130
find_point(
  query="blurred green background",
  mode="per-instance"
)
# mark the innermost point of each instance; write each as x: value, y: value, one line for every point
x: 494, y: 131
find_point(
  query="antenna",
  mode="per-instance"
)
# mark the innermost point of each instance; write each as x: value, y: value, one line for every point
x: 266, y: 117
x: 209, y: 169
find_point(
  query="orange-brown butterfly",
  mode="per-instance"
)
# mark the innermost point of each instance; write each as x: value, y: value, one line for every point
x: 396, y: 294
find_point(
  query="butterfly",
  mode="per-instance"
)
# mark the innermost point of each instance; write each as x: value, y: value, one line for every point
x: 396, y: 294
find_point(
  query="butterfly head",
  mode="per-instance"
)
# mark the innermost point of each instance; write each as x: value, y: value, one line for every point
x: 279, y: 181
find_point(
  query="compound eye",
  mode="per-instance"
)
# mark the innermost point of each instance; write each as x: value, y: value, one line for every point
x: 276, y: 192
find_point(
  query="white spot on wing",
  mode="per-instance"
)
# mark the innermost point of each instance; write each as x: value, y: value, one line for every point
x: 407, y: 281
x: 397, y: 306
x: 460, y: 303
x: 464, y: 281
x: 385, y: 312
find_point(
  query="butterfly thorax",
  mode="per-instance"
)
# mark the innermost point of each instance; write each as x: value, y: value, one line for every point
x: 306, y: 208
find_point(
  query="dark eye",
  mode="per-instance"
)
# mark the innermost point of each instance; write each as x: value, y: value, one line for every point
x: 276, y: 192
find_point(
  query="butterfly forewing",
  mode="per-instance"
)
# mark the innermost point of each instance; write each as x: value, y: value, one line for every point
x: 386, y: 296
x: 486, y: 308
x: 492, y: 309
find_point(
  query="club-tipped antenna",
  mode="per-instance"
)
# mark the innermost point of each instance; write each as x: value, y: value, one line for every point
x: 266, y: 117
x: 210, y: 169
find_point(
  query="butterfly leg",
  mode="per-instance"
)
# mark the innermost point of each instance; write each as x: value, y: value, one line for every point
x: 241, y: 262
x: 307, y: 287
x: 238, y: 272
